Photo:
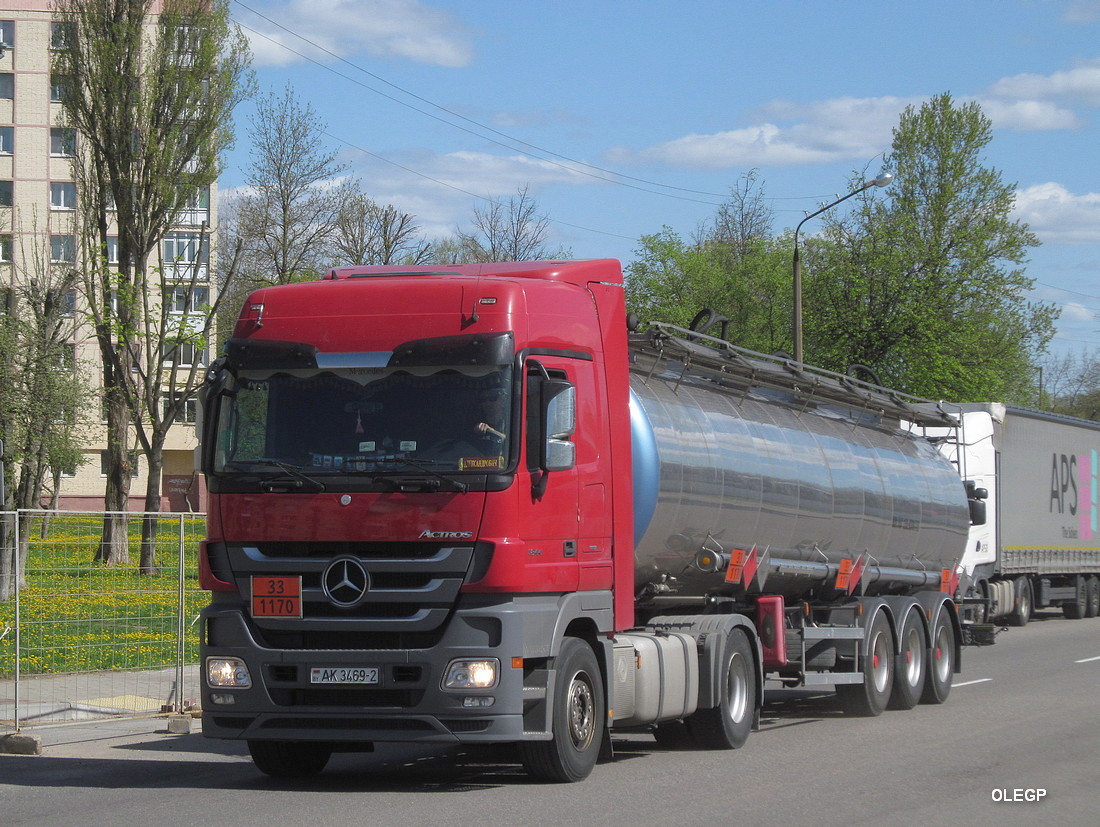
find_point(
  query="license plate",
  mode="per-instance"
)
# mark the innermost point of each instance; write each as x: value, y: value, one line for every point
x: 344, y: 674
x: 276, y: 596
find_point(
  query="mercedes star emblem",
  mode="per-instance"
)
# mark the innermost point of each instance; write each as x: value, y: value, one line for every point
x: 345, y: 582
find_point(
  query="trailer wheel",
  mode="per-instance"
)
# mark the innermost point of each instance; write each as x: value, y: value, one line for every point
x: 727, y: 726
x: 912, y: 662
x: 870, y: 697
x: 1092, y: 587
x: 941, y: 661
x: 1076, y: 608
x: 579, y: 719
x: 1021, y: 605
x: 290, y: 759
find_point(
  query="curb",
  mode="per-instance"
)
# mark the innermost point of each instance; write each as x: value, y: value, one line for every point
x: 18, y: 744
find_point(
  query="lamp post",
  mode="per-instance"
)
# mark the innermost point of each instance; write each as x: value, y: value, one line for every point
x: 878, y: 181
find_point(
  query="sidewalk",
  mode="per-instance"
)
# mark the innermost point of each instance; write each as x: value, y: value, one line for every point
x: 48, y: 699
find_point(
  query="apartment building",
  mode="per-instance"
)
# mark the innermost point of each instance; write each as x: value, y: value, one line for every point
x: 39, y: 226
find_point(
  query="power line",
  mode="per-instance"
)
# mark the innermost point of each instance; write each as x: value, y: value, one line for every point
x: 1064, y: 290
x: 484, y: 127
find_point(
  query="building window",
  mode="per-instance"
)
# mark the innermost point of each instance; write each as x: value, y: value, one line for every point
x: 196, y: 209
x: 7, y: 86
x: 61, y: 34
x: 63, y: 195
x: 64, y: 301
x: 7, y: 140
x: 7, y: 193
x: 63, y: 142
x: 58, y: 85
x: 184, y: 248
x: 104, y: 463
x: 188, y: 413
x: 112, y: 249
x: 7, y: 33
x: 5, y: 248
x: 184, y: 355
x: 63, y: 249
x: 185, y: 299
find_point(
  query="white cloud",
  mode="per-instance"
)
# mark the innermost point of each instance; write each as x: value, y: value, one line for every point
x: 1080, y: 84
x: 1057, y: 215
x: 443, y: 195
x: 1028, y: 115
x: 1075, y: 312
x: 1082, y: 11
x: 405, y: 29
x: 786, y: 134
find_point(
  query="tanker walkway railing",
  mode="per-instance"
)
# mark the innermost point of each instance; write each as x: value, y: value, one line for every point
x: 83, y: 639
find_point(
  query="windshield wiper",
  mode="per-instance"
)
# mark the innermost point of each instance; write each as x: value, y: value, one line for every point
x: 291, y: 470
x: 459, y: 486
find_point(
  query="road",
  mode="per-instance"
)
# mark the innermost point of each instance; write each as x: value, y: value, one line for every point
x: 1024, y: 715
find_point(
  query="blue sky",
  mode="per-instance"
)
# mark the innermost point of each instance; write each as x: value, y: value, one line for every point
x: 622, y: 117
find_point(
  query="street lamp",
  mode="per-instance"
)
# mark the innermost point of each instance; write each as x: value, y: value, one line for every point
x: 878, y: 181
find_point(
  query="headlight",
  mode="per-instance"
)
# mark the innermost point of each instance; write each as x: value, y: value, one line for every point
x: 227, y: 672
x: 471, y: 674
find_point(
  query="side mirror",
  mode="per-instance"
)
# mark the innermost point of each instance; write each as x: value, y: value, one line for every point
x: 975, y: 500
x: 219, y: 383
x: 559, y: 421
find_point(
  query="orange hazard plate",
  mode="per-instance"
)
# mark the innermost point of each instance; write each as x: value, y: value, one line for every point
x: 276, y: 596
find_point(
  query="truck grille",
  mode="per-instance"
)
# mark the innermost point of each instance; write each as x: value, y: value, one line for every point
x: 412, y: 589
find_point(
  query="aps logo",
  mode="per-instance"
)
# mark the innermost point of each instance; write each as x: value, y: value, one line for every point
x: 1074, y: 486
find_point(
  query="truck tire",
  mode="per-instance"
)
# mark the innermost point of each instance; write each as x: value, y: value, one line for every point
x: 869, y: 698
x: 290, y: 759
x: 941, y: 660
x: 1076, y: 608
x: 1021, y: 604
x: 1092, y: 593
x: 580, y: 715
x: 727, y: 726
x: 910, y: 676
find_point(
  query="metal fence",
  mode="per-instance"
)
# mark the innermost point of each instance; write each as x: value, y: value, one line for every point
x: 81, y: 638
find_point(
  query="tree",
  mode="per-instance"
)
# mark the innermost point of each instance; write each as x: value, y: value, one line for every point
x: 1070, y: 384
x: 365, y: 232
x: 152, y: 99
x: 511, y: 230
x: 41, y: 394
x: 291, y: 203
x: 733, y: 266
x: 927, y: 286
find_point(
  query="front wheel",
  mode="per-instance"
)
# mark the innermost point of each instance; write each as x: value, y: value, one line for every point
x: 290, y: 759
x: 727, y: 726
x: 580, y: 714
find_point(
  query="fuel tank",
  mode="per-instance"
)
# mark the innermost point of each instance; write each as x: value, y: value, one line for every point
x: 724, y: 461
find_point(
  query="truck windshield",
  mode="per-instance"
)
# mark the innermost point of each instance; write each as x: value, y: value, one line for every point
x: 352, y: 420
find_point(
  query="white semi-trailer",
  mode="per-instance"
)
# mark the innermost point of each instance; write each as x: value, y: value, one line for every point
x: 1040, y: 546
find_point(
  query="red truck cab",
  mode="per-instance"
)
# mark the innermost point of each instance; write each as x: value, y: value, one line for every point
x: 419, y: 485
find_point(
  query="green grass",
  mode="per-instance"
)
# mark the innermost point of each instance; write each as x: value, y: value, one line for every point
x: 77, y: 615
